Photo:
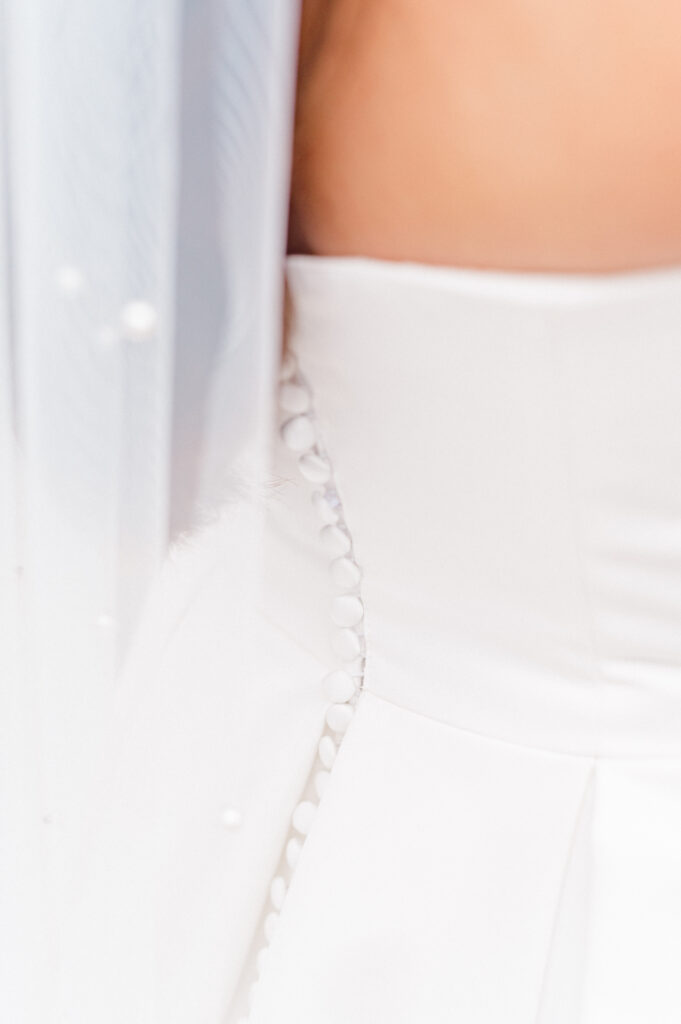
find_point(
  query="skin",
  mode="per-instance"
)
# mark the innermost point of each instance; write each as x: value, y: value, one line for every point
x: 510, y: 134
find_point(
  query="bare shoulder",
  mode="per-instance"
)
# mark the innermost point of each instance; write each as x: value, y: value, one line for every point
x: 506, y: 133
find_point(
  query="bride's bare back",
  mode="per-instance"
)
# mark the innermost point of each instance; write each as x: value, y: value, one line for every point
x: 491, y: 133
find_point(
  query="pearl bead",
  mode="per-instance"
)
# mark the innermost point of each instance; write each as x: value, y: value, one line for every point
x: 271, y: 922
x: 335, y: 540
x: 347, y: 610
x: 345, y: 573
x: 303, y: 816
x: 278, y: 892
x: 324, y: 510
x: 231, y: 817
x: 288, y: 366
x: 298, y: 433
x: 139, y: 320
x: 339, y: 716
x: 327, y: 751
x: 70, y: 280
x: 339, y: 686
x: 314, y: 468
x: 293, y: 848
x: 294, y: 398
x: 346, y: 644
x: 320, y: 781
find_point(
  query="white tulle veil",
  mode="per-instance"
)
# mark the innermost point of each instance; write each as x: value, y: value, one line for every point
x: 143, y: 192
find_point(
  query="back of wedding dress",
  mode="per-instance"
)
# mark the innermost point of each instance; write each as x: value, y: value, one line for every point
x: 143, y: 199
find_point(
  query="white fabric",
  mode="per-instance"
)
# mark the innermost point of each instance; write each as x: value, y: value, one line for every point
x: 501, y: 835
x: 143, y: 199
x: 221, y: 710
x: 500, y: 838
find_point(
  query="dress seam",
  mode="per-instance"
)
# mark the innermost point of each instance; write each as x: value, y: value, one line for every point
x: 588, y: 784
x: 550, y: 751
x: 474, y: 732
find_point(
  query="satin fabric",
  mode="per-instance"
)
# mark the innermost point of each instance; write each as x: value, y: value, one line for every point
x: 501, y: 834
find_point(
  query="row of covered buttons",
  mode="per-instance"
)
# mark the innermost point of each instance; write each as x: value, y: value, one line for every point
x: 342, y: 685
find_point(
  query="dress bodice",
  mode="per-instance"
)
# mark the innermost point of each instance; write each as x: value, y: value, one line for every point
x: 507, y: 448
x: 498, y: 837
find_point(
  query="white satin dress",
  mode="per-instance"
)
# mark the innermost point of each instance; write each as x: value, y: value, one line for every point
x: 499, y: 837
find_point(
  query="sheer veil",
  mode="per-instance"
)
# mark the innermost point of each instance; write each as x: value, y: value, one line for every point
x: 143, y: 182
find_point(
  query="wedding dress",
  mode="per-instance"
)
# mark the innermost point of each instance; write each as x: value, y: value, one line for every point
x: 480, y: 818
x: 495, y: 459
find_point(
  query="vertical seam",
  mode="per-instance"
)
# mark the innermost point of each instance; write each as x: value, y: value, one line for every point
x: 588, y: 785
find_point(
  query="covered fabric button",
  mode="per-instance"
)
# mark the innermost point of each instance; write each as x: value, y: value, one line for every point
x: 335, y: 540
x: 261, y: 959
x: 278, y: 892
x: 345, y: 573
x: 298, y: 433
x: 326, y: 512
x: 339, y: 686
x: 271, y: 922
x: 347, y: 610
x: 320, y: 781
x: 293, y: 848
x: 339, y: 716
x: 303, y: 816
x: 314, y: 467
x: 327, y: 751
